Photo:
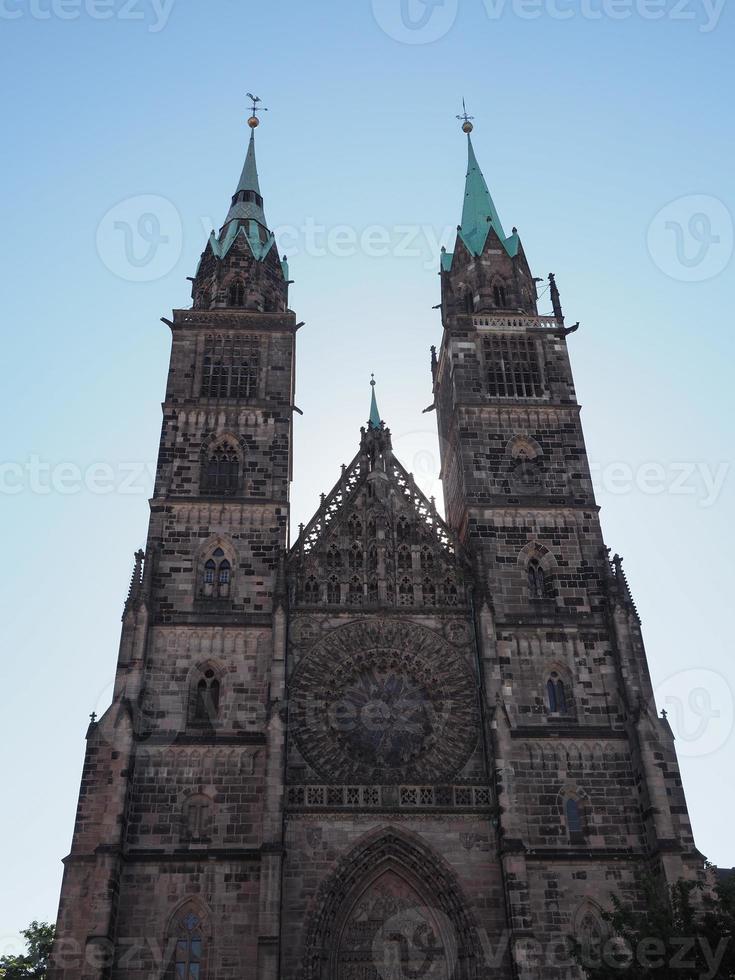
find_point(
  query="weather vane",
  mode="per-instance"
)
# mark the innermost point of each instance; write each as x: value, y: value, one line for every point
x: 253, y: 121
x: 467, y: 126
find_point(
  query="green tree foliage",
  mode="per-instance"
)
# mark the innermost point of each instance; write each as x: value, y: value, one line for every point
x: 39, y: 937
x: 688, y: 935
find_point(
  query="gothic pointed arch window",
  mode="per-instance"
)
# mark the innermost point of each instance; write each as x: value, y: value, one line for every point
x: 311, y: 590
x: 429, y: 592
x: 210, y: 574
x: 354, y: 558
x: 334, y: 592
x: 403, y: 530
x: 188, y: 932
x: 450, y: 593
x: 334, y: 559
x: 405, y: 592
x: 354, y: 527
x: 373, y: 559
x: 538, y: 585
x: 354, y: 591
x: 404, y: 558
x: 216, y: 579
x: 556, y: 694
x: 574, y: 817
x: 427, y: 559
x: 499, y: 297
x: 205, y: 697
x: 237, y: 293
x: 590, y: 934
x: 372, y: 593
x: 230, y: 366
x: 221, y: 469
x: 224, y: 576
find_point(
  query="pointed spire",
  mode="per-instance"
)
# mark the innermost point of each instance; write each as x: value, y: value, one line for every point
x: 479, y: 213
x: 247, y: 201
x: 375, y: 419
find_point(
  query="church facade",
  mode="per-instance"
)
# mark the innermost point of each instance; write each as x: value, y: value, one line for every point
x: 403, y: 745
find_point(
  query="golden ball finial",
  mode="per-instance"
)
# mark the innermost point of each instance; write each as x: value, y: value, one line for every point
x: 467, y: 127
x: 253, y: 122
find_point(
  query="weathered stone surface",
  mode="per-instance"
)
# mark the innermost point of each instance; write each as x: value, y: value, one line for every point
x: 398, y: 728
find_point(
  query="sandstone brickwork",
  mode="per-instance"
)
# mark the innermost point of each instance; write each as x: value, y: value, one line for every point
x: 400, y: 745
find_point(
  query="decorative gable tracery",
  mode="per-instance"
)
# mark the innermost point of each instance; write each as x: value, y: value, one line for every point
x: 376, y: 540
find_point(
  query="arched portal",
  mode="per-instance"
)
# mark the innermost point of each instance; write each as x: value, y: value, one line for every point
x: 392, y: 932
x: 391, y: 910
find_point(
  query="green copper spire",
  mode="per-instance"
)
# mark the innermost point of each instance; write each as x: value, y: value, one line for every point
x: 374, y: 413
x: 247, y: 201
x: 479, y: 213
x: 249, y: 175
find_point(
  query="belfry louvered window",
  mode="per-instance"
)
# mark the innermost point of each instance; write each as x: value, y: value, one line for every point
x: 513, y: 367
x: 230, y: 368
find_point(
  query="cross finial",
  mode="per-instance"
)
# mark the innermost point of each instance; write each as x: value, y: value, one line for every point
x: 255, y: 108
x: 93, y: 717
x: 467, y: 126
x: 372, y: 380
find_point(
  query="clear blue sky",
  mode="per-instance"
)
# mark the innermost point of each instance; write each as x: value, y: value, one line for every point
x: 586, y: 127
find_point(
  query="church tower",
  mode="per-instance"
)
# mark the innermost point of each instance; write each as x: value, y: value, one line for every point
x: 584, y: 772
x: 402, y: 745
x: 177, y: 850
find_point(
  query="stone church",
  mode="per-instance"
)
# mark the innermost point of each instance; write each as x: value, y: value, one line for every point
x: 404, y: 744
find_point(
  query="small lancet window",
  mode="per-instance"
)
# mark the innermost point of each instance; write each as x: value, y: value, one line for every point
x: 237, y: 293
x: 429, y: 591
x: 404, y: 558
x: 354, y: 593
x: 334, y: 559
x: 189, y: 954
x: 334, y: 594
x: 575, y: 824
x: 372, y: 594
x: 355, y: 558
x: 427, y: 559
x: 557, y: 694
x: 311, y: 590
x: 450, y: 593
x: 499, y: 296
x: 216, y: 576
x: 354, y: 526
x: 405, y: 592
x: 223, y: 578
x: 206, y: 701
x: 221, y: 470
x: 537, y: 584
x: 403, y: 530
